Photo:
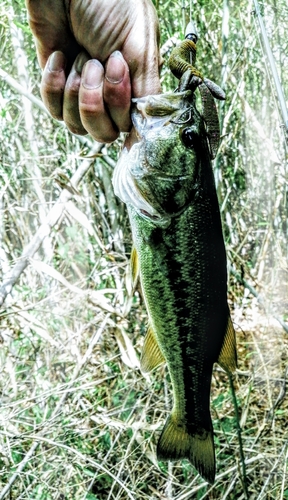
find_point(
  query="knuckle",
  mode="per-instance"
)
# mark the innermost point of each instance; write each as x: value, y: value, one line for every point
x: 91, y: 105
x: 72, y: 91
x: 72, y: 88
x: 76, y: 129
x: 104, y: 137
x: 88, y: 110
x: 53, y: 83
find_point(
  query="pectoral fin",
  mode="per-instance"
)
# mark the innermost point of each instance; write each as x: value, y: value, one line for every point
x: 134, y: 262
x: 151, y: 356
x: 228, y: 355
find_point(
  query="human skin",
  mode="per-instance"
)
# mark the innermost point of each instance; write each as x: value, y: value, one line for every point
x: 95, y: 55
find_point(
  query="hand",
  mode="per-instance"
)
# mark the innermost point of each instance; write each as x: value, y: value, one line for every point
x: 96, y: 55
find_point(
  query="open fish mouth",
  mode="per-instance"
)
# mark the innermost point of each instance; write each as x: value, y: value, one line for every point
x: 125, y: 188
x: 150, y: 115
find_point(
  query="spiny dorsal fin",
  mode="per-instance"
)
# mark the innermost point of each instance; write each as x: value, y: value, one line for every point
x: 228, y: 355
x: 151, y: 356
x: 134, y: 262
x: 176, y: 442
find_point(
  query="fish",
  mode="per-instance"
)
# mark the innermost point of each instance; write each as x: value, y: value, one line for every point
x: 166, y: 180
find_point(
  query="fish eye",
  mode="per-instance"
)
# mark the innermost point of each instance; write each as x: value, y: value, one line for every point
x: 189, y: 137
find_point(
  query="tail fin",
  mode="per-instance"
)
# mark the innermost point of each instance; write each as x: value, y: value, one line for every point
x: 175, y: 442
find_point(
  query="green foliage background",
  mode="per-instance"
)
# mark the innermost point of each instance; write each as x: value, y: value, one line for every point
x: 77, y: 418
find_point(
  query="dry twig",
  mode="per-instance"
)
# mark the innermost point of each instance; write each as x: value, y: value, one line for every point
x: 44, y: 230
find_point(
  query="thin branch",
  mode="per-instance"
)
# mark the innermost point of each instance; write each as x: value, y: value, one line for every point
x: 22, y: 91
x: 251, y: 118
x: 60, y: 404
x: 260, y: 299
x: 86, y: 459
x: 44, y: 230
x: 188, y: 494
x: 85, y: 140
x: 22, y: 65
x: 263, y: 494
x: 239, y: 433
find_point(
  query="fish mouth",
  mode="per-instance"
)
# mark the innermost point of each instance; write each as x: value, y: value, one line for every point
x: 124, y: 184
x: 148, y: 113
x: 154, y: 112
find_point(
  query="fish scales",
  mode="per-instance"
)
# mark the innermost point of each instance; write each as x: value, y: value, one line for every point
x: 167, y: 182
x: 183, y: 276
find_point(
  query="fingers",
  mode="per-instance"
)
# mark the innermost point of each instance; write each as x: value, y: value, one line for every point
x: 91, y: 99
x: 71, y: 113
x: 53, y: 84
x: 104, y: 98
x: 93, y: 114
x: 95, y: 97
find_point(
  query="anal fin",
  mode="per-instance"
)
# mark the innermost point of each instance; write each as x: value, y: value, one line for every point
x: 228, y: 355
x: 151, y: 356
x: 176, y: 442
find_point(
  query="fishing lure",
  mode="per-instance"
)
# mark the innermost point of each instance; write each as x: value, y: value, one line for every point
x: 182, y: 65
x: 167, y: 182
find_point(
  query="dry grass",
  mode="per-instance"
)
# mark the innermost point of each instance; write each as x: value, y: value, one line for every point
x: 92, y: 419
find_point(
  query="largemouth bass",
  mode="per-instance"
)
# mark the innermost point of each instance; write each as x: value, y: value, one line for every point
x: 167, y: 182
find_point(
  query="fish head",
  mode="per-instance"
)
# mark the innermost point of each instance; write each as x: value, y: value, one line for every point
x: 158, y: 176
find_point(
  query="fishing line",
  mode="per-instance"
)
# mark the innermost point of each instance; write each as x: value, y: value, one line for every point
x: 184, y: 22
x: 183, y: 9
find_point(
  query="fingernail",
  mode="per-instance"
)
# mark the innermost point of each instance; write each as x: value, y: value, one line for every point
x: 57, y: 62
x: 115, y: 68
x: 92, y: 74
x: 81, y: 59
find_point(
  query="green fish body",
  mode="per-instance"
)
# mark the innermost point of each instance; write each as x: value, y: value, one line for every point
x: 167, y: 182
